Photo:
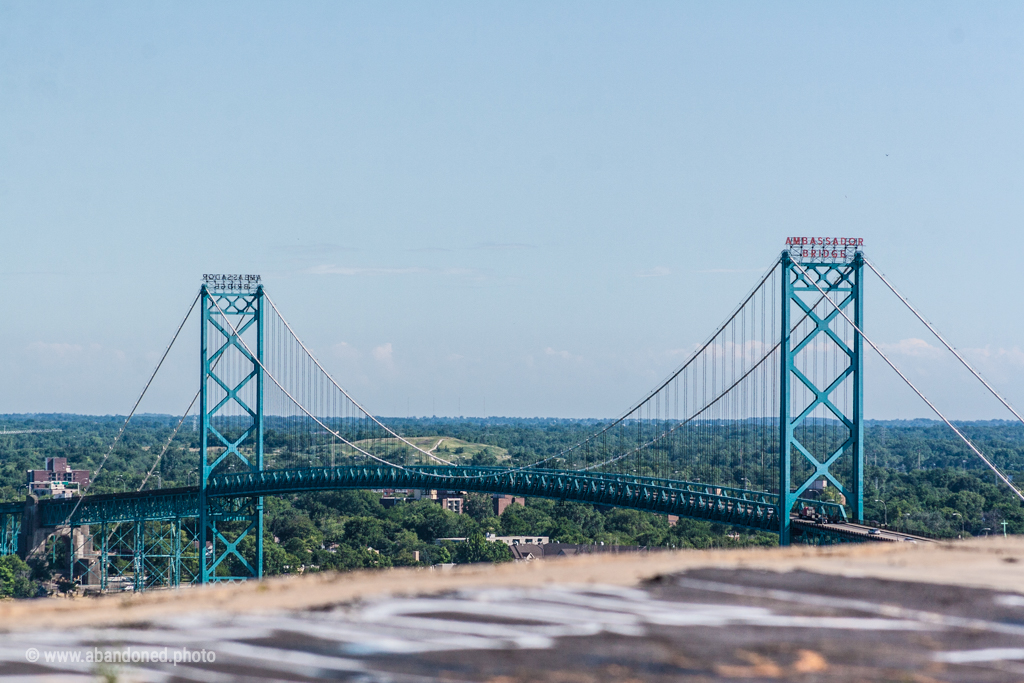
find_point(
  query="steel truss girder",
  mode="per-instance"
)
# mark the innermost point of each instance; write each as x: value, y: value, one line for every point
x: 229, y: 495
x: 749, y: 509
x: 618, y: 490
x: 161, y: 504
x: 10, y: 527
x: 136, y: 555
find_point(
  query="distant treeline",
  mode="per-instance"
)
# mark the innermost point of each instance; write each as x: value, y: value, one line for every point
x: 928, y: 479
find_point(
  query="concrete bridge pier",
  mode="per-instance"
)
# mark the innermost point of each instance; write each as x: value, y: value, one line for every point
x: 84, y: 560
x: 32, y: 543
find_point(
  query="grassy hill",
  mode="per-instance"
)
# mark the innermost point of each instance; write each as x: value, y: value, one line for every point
x: 456, y: 450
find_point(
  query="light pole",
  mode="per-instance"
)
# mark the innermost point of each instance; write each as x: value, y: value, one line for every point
x: 906, y: 516
x: 961, y: 523
x: 122, y: 482
x: 885, y: 509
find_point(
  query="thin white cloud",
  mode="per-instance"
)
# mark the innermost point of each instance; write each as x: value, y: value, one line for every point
x: 913, y: 347
x: 64, y: 352
x: 56, y: 349
x: 565, y: 355
x: 349, y: 271
x: 987, y: 358
x: 344, y: 270
x: 345, y: 350
x: 311, y: 250
x: 503, y: 246
x: 657, y: 271
x: 384, y: 353
x: 996, y: 357
x: 685, y: 351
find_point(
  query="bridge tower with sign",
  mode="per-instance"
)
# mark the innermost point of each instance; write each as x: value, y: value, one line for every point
x: 231, y: 411
x: 821, y: 389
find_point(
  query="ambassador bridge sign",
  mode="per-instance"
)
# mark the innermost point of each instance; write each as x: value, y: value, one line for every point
x: 827, y: 249
x: 231, y: 282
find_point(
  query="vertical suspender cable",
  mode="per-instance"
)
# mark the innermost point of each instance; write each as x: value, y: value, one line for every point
x: 364, y: 413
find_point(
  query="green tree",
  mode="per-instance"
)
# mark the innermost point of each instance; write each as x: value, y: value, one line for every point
x: 564, y: 530
x: 522, y: 520
x: 15, y: 581
x: 276, y: 558
x: 478, y: 549
x: 969, y: 504
x: 479, y: 506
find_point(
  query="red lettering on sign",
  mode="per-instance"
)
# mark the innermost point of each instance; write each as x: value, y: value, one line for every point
x: 839, y: 248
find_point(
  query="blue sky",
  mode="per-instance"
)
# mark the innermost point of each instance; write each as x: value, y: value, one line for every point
x: 498, y: 208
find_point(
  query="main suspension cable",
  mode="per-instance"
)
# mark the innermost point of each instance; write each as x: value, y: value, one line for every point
x: 120, y: 433
x: 234, y: 331
x: 174, y: 433
x: 313, y: 417
x: 911, y: 385
x: 169, y: 440
x: 693, y: 357
x: 943, y: 340
x: 345, y: 393
x: 697, y: 354
x: 301, y: 407
x: 688, y: 420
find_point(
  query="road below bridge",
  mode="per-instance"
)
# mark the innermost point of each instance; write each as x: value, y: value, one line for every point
x: 855, y: 533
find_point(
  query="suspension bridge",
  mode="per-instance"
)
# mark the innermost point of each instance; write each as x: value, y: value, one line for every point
x: 748, y: 431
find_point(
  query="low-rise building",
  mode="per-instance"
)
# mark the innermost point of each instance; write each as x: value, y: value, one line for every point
x: 57, y: 479
x: 454, y: 501
x: 519, y: 540
x: 527, y: 548
x: 501, y: 501
x: 454, y: 504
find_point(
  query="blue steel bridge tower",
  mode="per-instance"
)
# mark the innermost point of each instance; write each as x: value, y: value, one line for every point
x: 231, y: 410
x: 822, y: 368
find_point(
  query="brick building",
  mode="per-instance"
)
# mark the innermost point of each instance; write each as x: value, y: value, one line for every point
x: 57, y: 479
x: 502, y: 501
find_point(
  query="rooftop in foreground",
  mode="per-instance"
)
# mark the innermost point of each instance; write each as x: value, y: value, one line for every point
x: 938, y: 612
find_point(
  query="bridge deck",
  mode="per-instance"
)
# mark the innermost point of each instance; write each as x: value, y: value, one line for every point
x: 736, y: 507
x: 856, y: 533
